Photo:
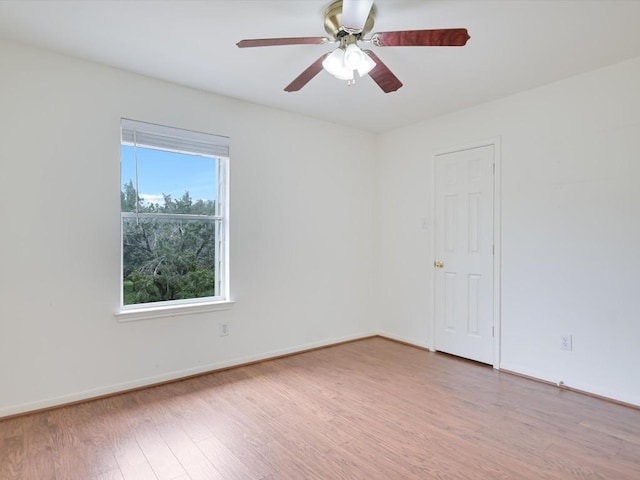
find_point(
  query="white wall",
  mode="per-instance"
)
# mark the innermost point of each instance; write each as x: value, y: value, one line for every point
x: 301, y: 224
x: 570, y: 227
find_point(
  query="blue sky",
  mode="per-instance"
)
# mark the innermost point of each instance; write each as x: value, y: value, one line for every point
x: 170, y: 173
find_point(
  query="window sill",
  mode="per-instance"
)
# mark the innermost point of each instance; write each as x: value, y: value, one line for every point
x: 149, y: 313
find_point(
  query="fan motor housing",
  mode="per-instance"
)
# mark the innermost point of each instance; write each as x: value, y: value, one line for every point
x: 333, y: 22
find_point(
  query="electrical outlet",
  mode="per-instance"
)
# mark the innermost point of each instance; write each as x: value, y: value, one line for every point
x: 224, y: 329
x: 566, y: 342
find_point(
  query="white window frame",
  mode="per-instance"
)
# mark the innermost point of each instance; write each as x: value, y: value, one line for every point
x: 147, y: 135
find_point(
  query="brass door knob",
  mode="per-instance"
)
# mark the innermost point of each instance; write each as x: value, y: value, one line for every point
x: 438, y: 264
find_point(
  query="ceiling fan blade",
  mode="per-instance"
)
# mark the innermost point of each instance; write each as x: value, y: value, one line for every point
x: 306, y: 76
x: 355, y: 13
x: 446, y: 37
x: 381, y: 74
x: 270, y: 42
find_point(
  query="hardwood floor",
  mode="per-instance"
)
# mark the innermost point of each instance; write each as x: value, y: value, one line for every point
x: 372, y: 409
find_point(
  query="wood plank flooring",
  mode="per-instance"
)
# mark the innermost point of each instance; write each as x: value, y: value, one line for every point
x: 372, y: 409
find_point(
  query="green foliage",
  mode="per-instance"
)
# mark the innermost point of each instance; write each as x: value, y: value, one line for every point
x: 167, y: 259
x: 127, y: 288
x: 129, y: 197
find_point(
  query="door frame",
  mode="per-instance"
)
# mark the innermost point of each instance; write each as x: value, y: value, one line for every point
x: 497, y: 239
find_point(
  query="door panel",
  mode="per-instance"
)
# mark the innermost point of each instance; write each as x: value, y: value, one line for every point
x: 464, y: 243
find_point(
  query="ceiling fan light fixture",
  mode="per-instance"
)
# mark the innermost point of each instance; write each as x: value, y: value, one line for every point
x: 343, y: 61
x: 335, y: 65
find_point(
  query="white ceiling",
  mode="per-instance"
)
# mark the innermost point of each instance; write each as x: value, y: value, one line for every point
x: 515, y: 45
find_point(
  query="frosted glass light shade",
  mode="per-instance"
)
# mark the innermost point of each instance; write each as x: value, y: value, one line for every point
x: 343, y: 61
x: 353, y: 56
x: 366, y: 65
x: 344, y: 74
x: 334, y: 64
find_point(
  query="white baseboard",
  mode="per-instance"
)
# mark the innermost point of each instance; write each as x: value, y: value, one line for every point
x: 410, y: 341
x: 212, y: 367
x: 571, y: 384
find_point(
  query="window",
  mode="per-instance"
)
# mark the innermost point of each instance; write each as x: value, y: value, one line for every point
x: 174, y: 217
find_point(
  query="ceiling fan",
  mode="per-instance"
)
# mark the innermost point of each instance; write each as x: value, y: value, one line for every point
x: 348, y: 21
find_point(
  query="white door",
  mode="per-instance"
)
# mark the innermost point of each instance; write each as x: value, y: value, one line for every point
x: 464, y: 197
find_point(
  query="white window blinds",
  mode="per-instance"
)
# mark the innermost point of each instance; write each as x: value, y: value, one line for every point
x: 173, y: 139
